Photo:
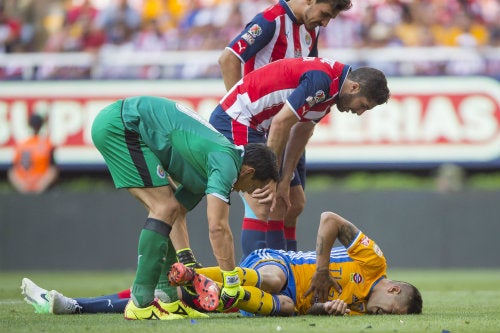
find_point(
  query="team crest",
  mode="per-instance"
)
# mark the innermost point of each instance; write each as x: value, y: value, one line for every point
x: 308, y: 39
x: 160, y: 171
x: 356, y: 278
x: 255, y: 30
x: 320, y: 96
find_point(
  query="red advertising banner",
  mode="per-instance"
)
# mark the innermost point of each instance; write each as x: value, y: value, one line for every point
x: 427, y: 120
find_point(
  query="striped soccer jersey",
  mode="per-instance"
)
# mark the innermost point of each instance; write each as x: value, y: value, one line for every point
x: 272, y: 35
x: 357, y: 268
x: 310, y: 86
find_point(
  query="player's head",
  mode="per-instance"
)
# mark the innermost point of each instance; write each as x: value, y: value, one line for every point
x: 35, y: 121
x: 394, y: 297
x: 259, y: 168
x: 320, y: 12
x: 363, y: 89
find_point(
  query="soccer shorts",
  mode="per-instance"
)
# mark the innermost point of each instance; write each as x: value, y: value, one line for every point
x: 130, y: 162
x: 264, y: 257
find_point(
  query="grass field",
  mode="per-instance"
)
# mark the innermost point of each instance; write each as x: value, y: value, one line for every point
x: 454, y: 301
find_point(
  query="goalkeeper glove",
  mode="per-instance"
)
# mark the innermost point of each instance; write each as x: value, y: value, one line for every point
x: 186, y: 257
x: 231, y: 291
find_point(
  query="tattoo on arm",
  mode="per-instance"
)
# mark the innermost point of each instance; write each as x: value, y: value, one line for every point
x: 317, y: 309
x: 347, y: 232
x: 319, y: 245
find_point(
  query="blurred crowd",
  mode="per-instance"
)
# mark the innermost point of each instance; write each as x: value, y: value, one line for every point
x: 113, y: 26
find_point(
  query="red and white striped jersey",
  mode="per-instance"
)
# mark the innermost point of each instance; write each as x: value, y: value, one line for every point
x: 272, y: 35
x: 308, y: 85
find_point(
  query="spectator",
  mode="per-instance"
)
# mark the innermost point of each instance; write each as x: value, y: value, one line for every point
x: 34, y: 169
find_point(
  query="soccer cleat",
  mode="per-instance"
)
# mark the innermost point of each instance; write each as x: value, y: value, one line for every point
x: 181, y: 274
x: 179, y: 308
x: 60, y: 304
x: 154, y: 311
x: 36, y: 296
x: 208, y: 291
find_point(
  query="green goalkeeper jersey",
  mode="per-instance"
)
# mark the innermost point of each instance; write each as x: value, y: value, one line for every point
x: 192, y: 152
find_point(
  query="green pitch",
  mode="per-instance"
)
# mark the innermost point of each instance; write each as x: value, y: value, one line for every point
x: 454, y: 301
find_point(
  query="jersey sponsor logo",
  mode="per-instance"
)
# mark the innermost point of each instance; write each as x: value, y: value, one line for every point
x: 377, y: 250
x: 319, y: 97
x: 356, y: 278
x: 365, y: 241
x: 160, y: 171
x: 255, y: 30
x: 242, y: 46
x: 248, y: 38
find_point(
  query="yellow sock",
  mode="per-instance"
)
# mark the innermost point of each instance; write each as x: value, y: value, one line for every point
x: 259, y: 302
x: 248, y: 276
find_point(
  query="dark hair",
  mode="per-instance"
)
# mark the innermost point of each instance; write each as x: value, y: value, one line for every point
x: 35, y: 122
x: 372, y: 84
x: 263, y: 160
x: 413, y: 298
x: 340, y: 5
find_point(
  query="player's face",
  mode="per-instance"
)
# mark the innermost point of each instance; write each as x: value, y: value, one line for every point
x: 384, y: 301
x: 354, y: 103
x: 318, y: 14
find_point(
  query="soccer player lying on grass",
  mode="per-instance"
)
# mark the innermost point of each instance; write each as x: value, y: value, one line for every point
x: 350, y: 279
x: 286, y: 281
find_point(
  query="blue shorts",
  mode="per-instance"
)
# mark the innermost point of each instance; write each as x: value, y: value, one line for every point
x: 264, y: 257
x: 241, y: 135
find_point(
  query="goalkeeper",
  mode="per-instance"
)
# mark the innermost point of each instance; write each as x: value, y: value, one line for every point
x: 145, y: 140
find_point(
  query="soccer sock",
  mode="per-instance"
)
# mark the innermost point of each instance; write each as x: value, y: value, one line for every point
x: 102, y: 304
x: 124, y: 293
x: 186, y: 257
x: 164, y: 291
x: 259, y: 302
x: 291, y: 239
x: 152, y: 250
x: 276, y: 234
x: 253, y: 235
x: 248, y: 276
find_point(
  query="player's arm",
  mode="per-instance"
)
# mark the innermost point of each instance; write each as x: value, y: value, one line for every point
x: 230, y: 66
x: 220, y: 233
x: 279, y: 132
x: 295, y: 147
x: 333, y: 308
x: 221, y: 239
x: 331, y: 227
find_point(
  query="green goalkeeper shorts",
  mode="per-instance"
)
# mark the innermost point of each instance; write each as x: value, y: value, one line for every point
x: 130, y: 162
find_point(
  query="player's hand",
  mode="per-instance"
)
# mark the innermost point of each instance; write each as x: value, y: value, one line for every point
x: 321, y: 283
x: 231, y: 291
x: 283, y: 195
x: 266, y: 194
x: 336, y: 307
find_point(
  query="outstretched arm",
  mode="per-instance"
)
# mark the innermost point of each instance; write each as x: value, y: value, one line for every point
x: 332, y: 227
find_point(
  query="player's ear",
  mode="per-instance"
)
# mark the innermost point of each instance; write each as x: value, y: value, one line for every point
x: 394, y: 289
x: 247, y: 170
x: 355, y: 87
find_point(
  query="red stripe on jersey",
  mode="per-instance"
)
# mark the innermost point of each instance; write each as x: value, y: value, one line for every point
x: 240, y: 133
x: 279, y: 52
x: 296, y: 41
x: 266, y: 114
